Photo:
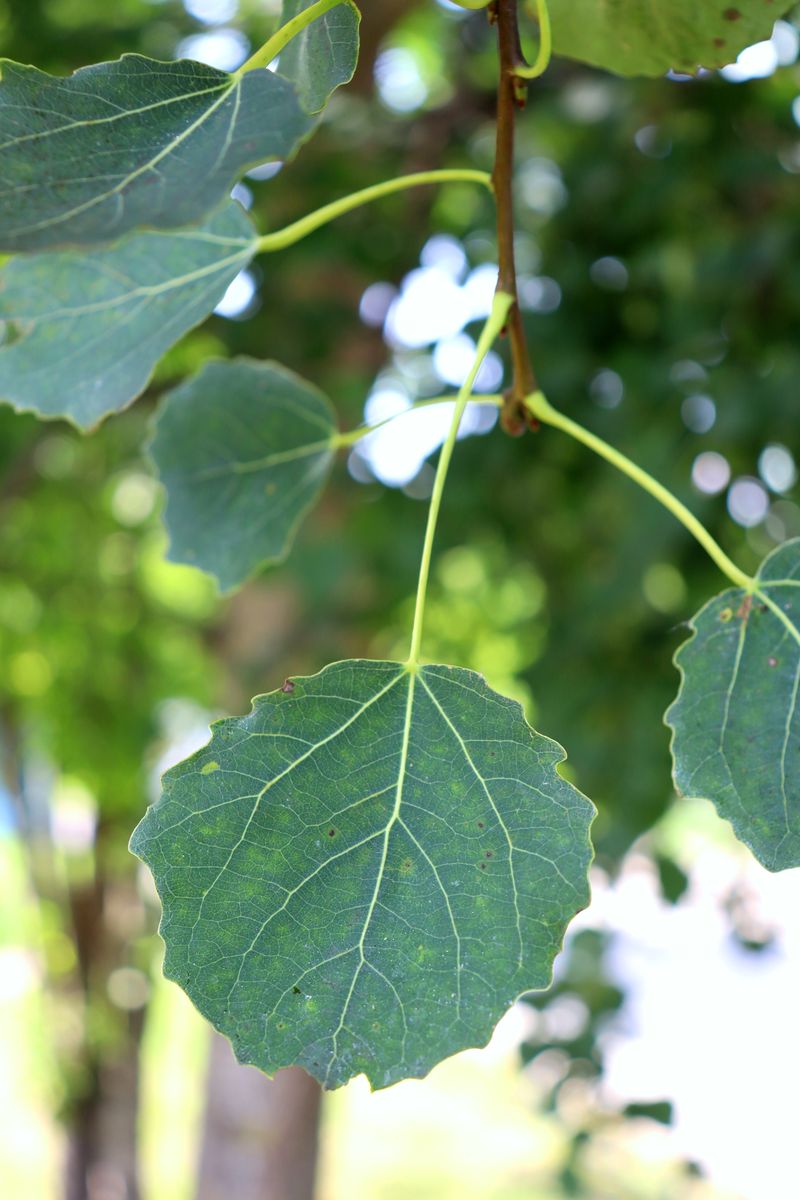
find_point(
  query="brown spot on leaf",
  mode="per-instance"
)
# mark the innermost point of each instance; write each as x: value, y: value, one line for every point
x: 732, y: 14
x: 288, y: 686
x: 719, y: 42
x: 745, y: 607
x: 331, y: 833
x: 773, y: 662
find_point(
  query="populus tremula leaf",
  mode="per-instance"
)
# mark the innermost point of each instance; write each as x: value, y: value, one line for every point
x: 364, y: 873
x: 84, y: 329
x: 736, y: 721
x: 132, y: 143
x: 243, y: 450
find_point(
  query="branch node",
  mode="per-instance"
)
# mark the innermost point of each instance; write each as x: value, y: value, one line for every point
x: 512, y: 94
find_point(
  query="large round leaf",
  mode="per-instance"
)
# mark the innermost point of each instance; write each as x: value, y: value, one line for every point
x: 365, y: 872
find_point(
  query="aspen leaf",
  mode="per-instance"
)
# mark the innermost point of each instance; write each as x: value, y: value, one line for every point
x: 736, y: 722
x: 638, y: 37
x: 364, y: 873
x: 243, y: 450
x: 324, y: 55
x: 84, y: 329
x: 132, y: 143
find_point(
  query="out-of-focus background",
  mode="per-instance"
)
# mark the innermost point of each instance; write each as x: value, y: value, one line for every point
x: 659, y: 244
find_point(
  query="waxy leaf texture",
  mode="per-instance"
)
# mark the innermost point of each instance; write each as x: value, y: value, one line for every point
x: 324, y: 55
x: 640, y: 37
x: 86, y: 328
x: 132, y: 143
x: 736, y: 721
x: 364, y: 873
x: 243, y: 450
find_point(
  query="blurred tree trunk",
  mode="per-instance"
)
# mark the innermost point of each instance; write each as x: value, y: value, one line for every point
x: 260, y: 1136
x: 103, y: 1125
x: 102, y: 1151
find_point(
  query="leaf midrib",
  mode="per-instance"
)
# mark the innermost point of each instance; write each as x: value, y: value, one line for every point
x: 393, y: 820
x: 264, y: 464
x: 312, y: 749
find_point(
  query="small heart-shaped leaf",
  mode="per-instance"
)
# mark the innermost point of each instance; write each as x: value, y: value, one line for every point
x: 324, y: 55
x: 243, y: 450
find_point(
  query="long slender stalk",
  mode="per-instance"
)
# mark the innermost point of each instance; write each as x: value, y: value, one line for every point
x: 497, y: 319
x: 282, y: 238
x: 541, y: 408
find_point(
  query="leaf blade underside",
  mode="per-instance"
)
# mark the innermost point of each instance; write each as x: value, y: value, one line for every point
x: 736, y: 721
x: 364, y: 873
x: 638, y: 37
x: 132, y: 143
x: 243, y: 450
x: 88, y: 327
x: 324, y: 56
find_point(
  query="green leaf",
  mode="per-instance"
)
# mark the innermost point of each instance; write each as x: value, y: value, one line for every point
x: 86, y: 328
x: 364, y: 873
x: 639, y: 37
x: 324, y: 55
x: 132, y: 143
x: 736, y: 723
x: 243, y: 450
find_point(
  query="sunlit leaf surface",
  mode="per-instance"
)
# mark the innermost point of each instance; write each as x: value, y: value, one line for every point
x: 132, y: 143
x: 243, y: 450
x: 362, y: 874
x: 84, y: 329
x: 639, y: 37
x: 736, y: 722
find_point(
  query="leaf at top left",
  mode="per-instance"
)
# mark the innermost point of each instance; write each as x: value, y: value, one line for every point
x: 133, y: 143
